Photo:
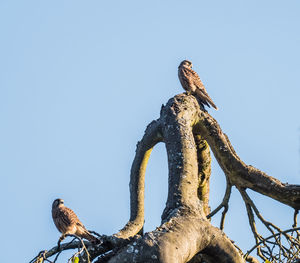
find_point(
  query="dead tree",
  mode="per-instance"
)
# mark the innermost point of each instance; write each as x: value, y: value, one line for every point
x: 185, y: 233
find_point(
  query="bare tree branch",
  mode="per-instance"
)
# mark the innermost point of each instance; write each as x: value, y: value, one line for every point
x: 240, y: 174
x: 186, y: 234
x: 144, y: 148
x: 223, y: 204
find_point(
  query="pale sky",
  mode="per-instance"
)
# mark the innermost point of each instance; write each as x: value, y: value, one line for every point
x: 81, y: 80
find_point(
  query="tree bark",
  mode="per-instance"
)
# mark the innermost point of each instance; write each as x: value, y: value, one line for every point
x: 185, y: 234
x: 185, y: 230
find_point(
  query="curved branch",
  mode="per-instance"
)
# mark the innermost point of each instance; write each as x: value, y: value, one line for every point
x: 240, y: 174
x: 144, y: 148
x: 225, y: 204
x: 91, y: 250
x: 185, y: 230
x: 291, y: 241
x: 272, y: 236
x: 178, y: 240
x: 59, y: 248
x: 295, y: 217
x: 252, y: 224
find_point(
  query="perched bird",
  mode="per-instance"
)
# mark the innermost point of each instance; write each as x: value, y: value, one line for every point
x: 191, y: 82
x: 67, y: 222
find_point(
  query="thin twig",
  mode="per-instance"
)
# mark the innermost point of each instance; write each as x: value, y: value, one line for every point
x: 267, y: 224
x: 251, y: 219
x: 224, y: 202
x: 295, y: 218
x: 81, y: 250
x: 223, y: 216
x: 56, y: 250
x: 272, y: 236
x: 57, y: 255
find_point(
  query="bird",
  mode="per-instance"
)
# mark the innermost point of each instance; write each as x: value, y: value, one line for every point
x: 67, y: 222
x: 191, y: 82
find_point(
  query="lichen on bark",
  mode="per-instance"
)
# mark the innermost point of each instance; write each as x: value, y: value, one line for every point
x: 185, y: 230
x: 186, y: 234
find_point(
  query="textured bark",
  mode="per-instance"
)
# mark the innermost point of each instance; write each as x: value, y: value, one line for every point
x: 185, y: 234
x: 185, y: 230
x: 137, y: 180
x: 204, y: 171
x: 240, y: 174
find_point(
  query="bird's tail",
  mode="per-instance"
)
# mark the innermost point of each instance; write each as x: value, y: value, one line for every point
x: 206, y: 99
x: 87, y: 235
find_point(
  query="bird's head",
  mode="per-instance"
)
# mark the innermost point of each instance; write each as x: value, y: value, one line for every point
x: 186, y: 63
x: 57, y: 202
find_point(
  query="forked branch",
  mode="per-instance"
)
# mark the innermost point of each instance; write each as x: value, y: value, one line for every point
x: 188, y: 132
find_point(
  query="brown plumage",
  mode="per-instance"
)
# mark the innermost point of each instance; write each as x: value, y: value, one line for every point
x: 67, y: 222
x: 191, y: 82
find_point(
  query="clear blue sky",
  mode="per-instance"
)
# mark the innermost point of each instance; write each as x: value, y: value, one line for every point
x: 80, y: 80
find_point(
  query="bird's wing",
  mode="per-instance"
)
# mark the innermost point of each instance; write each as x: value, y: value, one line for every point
x: 68, y: 216
x: 201, y: 91
x: 187, y: 77
x: 195, y: 79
